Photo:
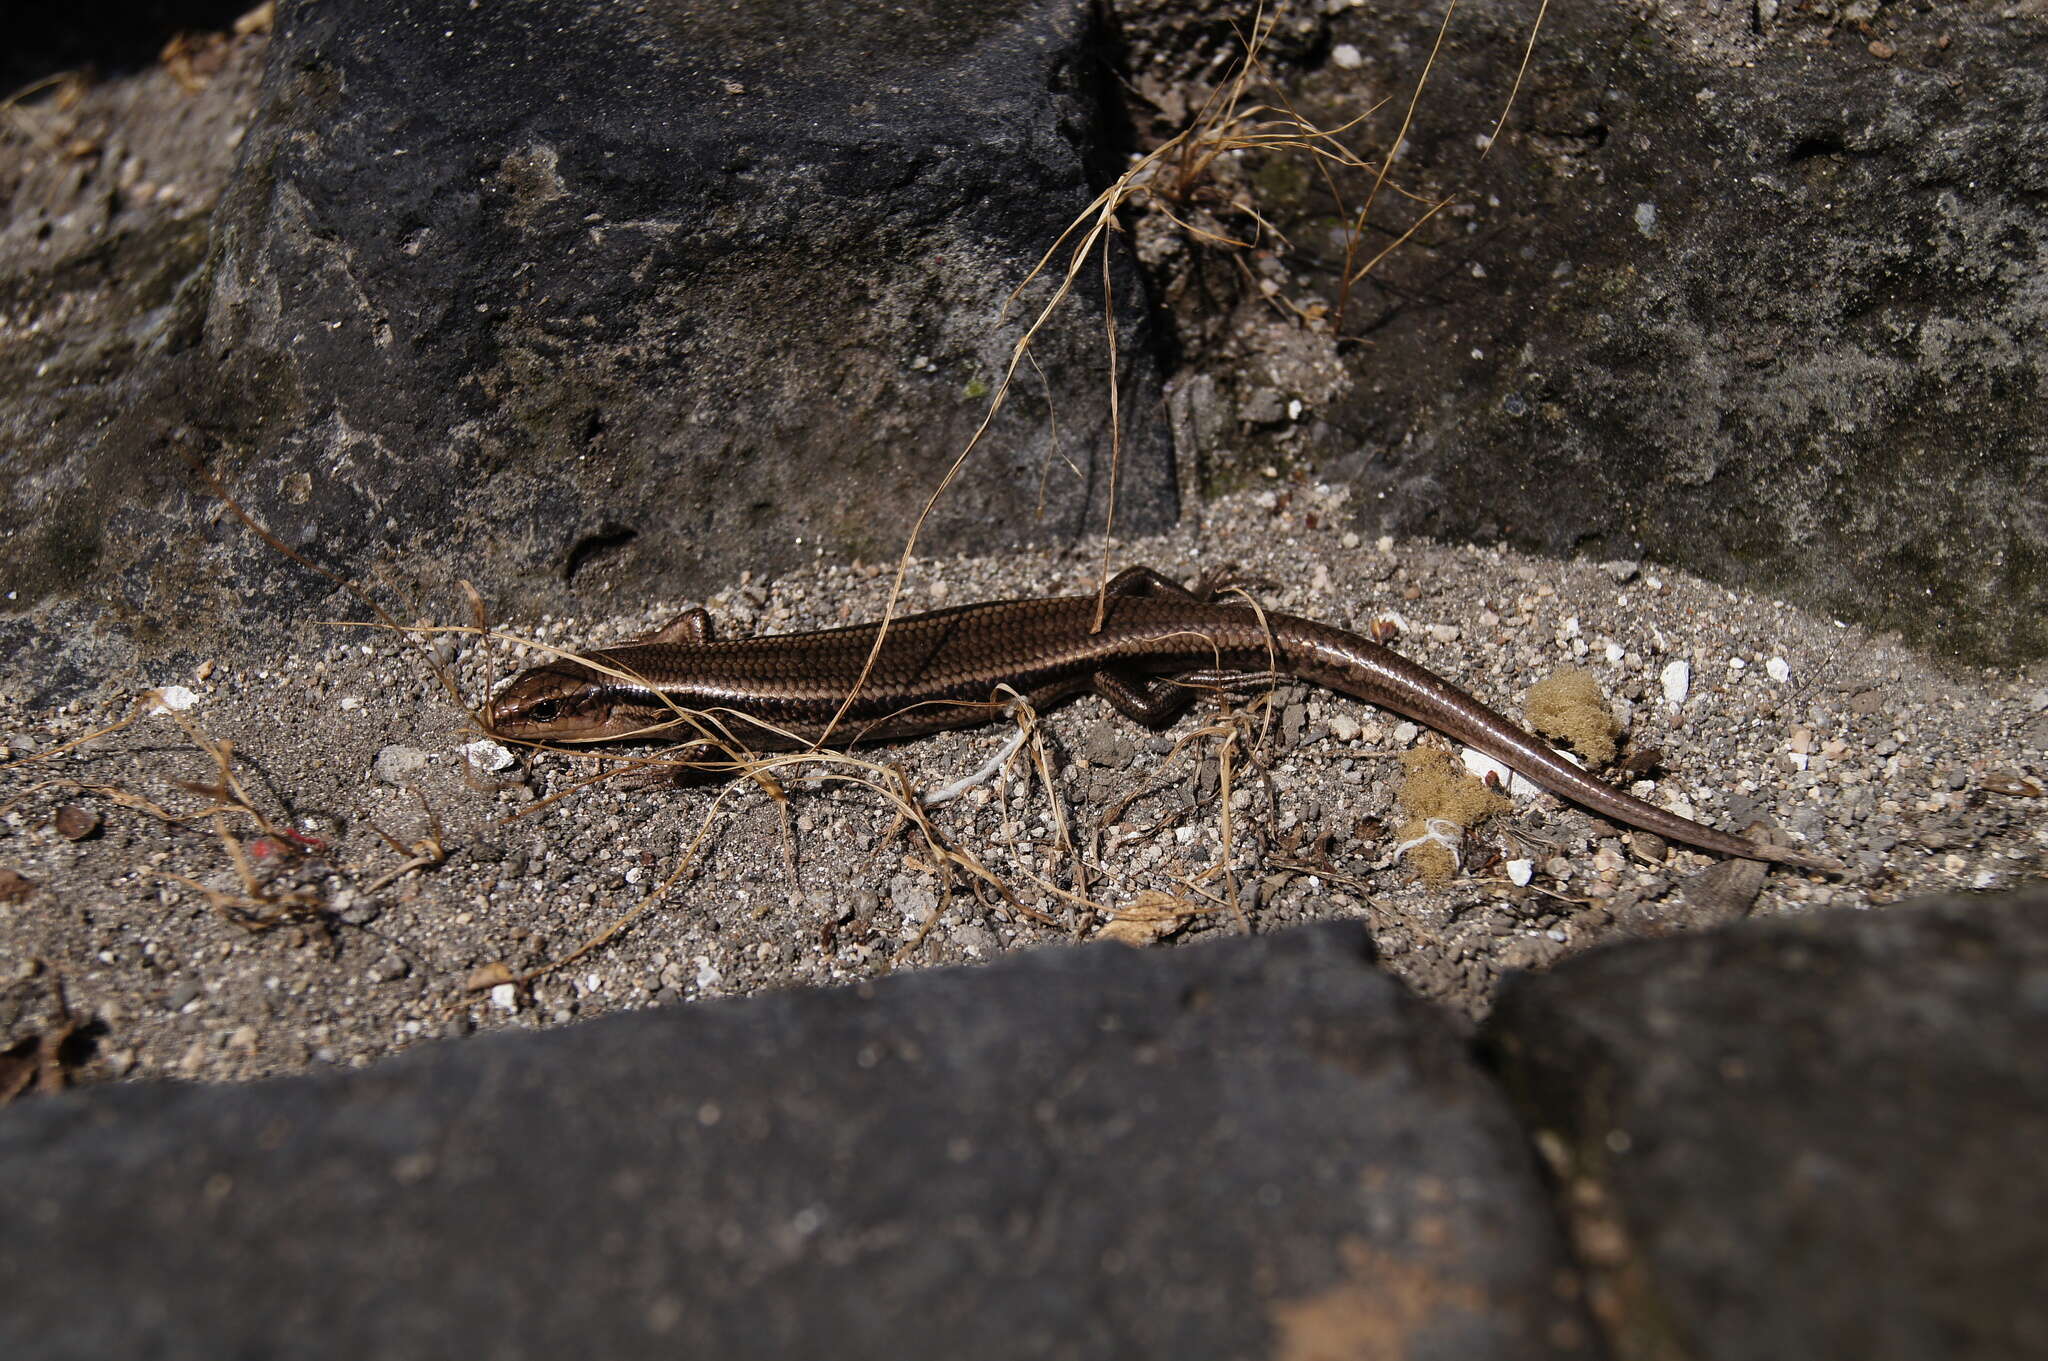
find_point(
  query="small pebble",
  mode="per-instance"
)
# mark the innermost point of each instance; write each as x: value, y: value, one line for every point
x: 1676, y: 679
x: 355, y: 908
x: 486, y: 755
x: 396, y: 765
x: 173, y: 699
x: 75, y: 822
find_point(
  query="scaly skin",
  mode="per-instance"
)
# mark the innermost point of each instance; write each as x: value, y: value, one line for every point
x: 943, y: 670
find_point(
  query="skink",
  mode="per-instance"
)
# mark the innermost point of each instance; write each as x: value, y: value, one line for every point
x: 1156, y: 644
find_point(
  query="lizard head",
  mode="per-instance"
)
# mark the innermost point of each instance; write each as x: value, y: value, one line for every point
x: 565, y: 701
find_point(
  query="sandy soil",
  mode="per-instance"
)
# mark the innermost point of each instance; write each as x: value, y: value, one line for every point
x: 1921, y: 780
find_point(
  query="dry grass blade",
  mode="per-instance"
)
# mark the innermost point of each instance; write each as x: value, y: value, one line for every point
x: 37, y: 1062
x: 424, y: 853
x: 17, y: 116
x: 257, y: 906
x: 1529, y: 51
x: 1353, y: 277
x: 140, y: 708
x: 762, y: 772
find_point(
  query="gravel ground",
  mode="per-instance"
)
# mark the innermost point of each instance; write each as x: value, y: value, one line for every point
x: 1921, y: 780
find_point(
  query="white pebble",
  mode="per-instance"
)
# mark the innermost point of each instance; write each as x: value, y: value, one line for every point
x: 1677, y: 682
x: 1346, y: 56
x: 1481, y: 765
x: 173, y: 699
x: 487, y: 756
x: 1778, y: 670
x: 505, y: 997
x: 1520, y: 872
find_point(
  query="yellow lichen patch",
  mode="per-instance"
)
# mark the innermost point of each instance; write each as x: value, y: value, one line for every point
x: 1567, y: 705
x: 1435, y: 788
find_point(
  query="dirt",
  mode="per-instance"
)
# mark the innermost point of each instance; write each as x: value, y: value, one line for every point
x: 1921, y: 780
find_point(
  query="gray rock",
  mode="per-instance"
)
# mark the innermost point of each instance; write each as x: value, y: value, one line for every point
x: 1766, y: 288
x: 1263, y: 1148
x: 1806, y: 1138
x: 559, y: 296
x: 1109, y: 747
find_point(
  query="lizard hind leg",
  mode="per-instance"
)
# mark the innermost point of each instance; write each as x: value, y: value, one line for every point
x: 1149, y: 700
x: 1144, y: 582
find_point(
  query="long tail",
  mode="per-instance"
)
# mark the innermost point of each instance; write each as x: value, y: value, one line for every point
x: 1357, y: 666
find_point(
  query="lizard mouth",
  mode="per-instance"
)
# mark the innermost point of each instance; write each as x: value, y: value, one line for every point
x: 534, y: 708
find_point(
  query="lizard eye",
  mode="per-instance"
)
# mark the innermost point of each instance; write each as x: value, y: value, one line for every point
x: 547, y: 711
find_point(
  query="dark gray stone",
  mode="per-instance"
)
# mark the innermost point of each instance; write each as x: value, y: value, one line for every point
x: 1259, y: 1148
x: 1818, y: 1137
x: 1732, y: 291
x: 561, y: 297
x: 104, y: 209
